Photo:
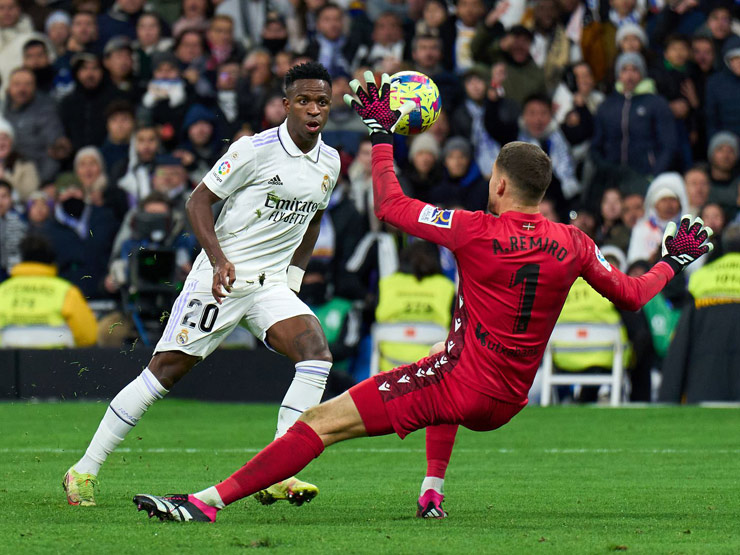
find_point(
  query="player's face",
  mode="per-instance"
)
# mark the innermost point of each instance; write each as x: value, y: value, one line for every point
x: 307, y: 106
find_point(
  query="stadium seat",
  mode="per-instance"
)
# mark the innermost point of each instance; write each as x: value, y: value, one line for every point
x: 415, y: 333
x: 36, y: 337
x: 582, y: 337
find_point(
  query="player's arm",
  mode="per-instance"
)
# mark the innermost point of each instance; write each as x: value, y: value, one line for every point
x: 200, y: 215
x: 391, y: 205
x: 680, y: 247
x: 302, y: 254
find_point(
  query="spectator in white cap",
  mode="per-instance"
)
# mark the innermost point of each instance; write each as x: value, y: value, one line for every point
x: 631, y: 38
x: 424, y: 170
x: 57, y: 28
x: 665, y: 202
x: 16, y: 170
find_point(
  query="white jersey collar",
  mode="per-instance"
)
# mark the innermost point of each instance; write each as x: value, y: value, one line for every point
x: 292, y: 149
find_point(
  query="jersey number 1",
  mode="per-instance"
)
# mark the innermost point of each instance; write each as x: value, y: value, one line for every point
x: 527, y: 275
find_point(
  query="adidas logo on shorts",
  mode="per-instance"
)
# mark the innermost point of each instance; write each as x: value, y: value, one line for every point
x: 275, y: 181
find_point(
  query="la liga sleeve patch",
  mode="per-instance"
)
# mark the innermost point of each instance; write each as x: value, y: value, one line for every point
x: 432, y: 215
x: 602, y: 260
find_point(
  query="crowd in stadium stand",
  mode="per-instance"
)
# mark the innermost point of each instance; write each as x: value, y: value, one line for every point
x: 113, y: 110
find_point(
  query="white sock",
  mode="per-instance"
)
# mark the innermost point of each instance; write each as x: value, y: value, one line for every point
x: 210, y: 497
x: 123, y: 413
x: 305, y: 391
x: 432, y: 482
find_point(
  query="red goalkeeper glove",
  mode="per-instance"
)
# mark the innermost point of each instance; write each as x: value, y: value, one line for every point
x: 374, y: 106
x: 681, y: 247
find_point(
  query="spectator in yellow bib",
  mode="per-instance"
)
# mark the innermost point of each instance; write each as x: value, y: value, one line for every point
x: 417, y: 294
x: 39, y: 309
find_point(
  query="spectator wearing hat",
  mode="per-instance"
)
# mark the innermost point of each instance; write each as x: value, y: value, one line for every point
x: 631, y: 37
x: 522, y: 77
x: 723, y: 90
x: 12, y: 230
x: 81, y: 110
x: 200, y: 146
x: 39, y: 134
x: 39, y: 209
x: 57, y: 27
x: 723, y: 153
x: 14, y: 168
x: 650, y: 145
x: 424, y: 170
x: 665, y: 201
x: 89, y: 170
x: 167, y: 97
x: 118, y: 60
x: 462, y: 183
x: 81, y: 234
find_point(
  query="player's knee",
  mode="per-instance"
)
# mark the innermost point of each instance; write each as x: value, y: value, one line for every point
x: 318, y: 349
x: 170, y: 367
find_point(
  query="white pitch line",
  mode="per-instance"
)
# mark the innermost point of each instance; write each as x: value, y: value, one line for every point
x: 247, y: 450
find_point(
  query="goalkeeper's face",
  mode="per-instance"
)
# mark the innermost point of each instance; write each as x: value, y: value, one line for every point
x: 307, y: 104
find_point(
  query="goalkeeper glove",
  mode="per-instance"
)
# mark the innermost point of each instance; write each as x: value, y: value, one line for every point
x: 681, y: 247
x: 374, y: 107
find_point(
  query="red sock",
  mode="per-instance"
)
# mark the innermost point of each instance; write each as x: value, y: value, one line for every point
x: 440, y: 441
x: 283, y: 458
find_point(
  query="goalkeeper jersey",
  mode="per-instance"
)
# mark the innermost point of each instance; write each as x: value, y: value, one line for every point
x: 515, y: 272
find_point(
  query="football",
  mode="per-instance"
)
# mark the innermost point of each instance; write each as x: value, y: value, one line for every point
x: 420, y: 89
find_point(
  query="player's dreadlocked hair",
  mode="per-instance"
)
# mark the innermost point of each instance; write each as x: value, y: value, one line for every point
x: 309, y: 70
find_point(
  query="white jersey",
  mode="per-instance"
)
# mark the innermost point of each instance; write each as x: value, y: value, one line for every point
x: 272, y: 191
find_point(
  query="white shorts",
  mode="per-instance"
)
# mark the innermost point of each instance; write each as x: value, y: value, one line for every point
x: 198, y: 324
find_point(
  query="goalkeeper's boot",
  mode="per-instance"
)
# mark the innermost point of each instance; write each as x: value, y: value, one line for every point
x: 177, y: 507
x: 292, y: 490
x: 80, y: 488
x: 430, y: 505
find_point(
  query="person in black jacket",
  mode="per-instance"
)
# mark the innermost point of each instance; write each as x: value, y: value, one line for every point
x: 650, y: 145
x: 82, y: 110
x: 723, y: 90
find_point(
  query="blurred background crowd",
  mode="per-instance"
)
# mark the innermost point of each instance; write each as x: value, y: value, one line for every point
x: 113, y: 110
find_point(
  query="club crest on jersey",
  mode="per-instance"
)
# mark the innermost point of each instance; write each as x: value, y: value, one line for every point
x: 602, y: 260
x: 435, y: 216
x: 182, y: 337
x: 224, y: 168
x: 325, y: 184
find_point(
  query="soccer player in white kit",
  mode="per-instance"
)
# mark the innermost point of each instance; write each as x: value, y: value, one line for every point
x: 276, y: 185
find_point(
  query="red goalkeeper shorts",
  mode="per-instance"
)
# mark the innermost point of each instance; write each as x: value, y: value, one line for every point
x: 423, y: 394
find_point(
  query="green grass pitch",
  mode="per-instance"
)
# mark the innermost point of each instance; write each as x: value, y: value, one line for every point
x: 555, y: 480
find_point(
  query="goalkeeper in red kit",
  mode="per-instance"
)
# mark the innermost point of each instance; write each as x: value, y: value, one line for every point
x: 515, y: 269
